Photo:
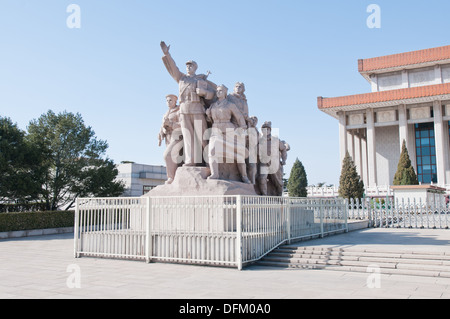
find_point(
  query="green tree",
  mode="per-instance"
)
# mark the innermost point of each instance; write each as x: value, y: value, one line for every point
x: 298, y: 180
x: 405, y: 174
x: 350, y: 183
x: 73, y: 160
x: 20, y: 169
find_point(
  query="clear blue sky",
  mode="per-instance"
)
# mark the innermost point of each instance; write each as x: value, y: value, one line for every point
x: 286, y: 52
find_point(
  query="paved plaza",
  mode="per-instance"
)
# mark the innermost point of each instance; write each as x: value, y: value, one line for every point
x: 44, y: 267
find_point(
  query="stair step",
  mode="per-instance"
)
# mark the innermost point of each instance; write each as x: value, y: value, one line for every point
x: 370, y: 257
x: 327, y: 262
x: 365, y: 249
x: 386, y: 271
x: 382, y: 263
x: 418, y: 263
x: 391, y: 254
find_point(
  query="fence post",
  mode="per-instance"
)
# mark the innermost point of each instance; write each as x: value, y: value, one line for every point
x: 346, y: 213
x: 148, y: 235
x: 239, y: 231
x: 321, y: 217
x: 370, y: 215
x: 76, y: 230
x: 288, y: 219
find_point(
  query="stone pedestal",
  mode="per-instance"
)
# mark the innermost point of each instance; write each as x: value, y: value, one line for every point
x: 192, y: 181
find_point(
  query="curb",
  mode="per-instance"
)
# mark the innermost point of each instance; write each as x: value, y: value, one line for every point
x: 354, y: 225
x: 35, y: 232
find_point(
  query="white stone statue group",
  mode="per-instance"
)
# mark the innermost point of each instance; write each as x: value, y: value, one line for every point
x: 209, y: 127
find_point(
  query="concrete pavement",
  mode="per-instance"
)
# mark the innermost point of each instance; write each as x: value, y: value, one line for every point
x: 44, y: 267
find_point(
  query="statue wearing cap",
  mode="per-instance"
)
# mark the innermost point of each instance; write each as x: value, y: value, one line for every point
x: 272, y: 155
x: 171, y: 132
x: 195, y: 94
x: 239, y: 99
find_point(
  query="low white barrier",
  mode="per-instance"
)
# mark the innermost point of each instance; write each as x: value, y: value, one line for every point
x: 214, y: 230
x: 389, y: 213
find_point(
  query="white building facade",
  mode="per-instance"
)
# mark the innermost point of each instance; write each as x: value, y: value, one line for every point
x: 410, y: 100
x: 140, y: 178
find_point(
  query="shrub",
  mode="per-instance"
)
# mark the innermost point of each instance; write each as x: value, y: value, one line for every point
x: 36, y: 220
x: 297, y: 180
x: 350, y: 183
x: 405, y: 174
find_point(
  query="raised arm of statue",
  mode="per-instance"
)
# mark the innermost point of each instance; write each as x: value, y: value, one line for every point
x: 165, y: 48
x: 170, y: 64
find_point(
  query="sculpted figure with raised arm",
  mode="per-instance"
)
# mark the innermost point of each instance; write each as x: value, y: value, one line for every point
x: 194, y: 93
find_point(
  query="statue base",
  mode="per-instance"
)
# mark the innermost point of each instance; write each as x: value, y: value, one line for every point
x: 193, y: 181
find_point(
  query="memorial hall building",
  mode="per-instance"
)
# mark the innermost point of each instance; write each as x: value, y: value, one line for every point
x: 410, y: 100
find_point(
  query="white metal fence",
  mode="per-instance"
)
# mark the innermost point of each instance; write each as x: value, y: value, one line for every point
x: 214, y: 230
x: 401, y: 214
x: 333, y: 191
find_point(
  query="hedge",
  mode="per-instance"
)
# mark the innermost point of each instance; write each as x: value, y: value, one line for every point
x: 36, y: 220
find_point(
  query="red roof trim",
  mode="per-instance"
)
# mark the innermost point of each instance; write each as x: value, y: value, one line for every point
x: 404, y: 59
x: 384, y: 96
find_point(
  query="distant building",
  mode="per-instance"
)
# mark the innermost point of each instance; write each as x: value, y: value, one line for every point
x: 140, y: 178
x: 410, y: 100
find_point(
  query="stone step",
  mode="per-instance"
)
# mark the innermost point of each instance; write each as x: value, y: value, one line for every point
x: 359, y: 269
x: 385, y: 263
x: 444, y: 254
x: 418, y: 263
x: 371, y: 257
x: 429, y: 255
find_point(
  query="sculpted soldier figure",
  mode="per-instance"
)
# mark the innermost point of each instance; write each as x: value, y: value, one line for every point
x: 272, y: 155
x: 252, y: 146
x: 222, y: 141
x: 239, y: 99
x: 276, y: 180
x: 193, y: 91
x: 171, y: 133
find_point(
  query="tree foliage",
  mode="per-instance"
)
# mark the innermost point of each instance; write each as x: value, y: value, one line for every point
x: 350, y: 183
x: 20, y: 170
x: 298, y: 180
x: 72, y: 159
x: 405, y: 174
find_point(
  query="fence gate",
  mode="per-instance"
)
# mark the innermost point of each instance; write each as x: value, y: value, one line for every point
x: 391, y: 213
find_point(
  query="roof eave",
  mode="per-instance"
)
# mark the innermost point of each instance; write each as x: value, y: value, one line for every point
x: 334, y: 111
x: 367, y: 73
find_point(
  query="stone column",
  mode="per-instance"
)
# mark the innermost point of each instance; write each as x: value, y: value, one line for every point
x: 412, y: 145
x: 405, y: 79
x: 364, y: 166
x: 343, y: 144
x: 441, y: 147
x: 446, y: 152
x: 351, y: 143
x: 371, y: 151
x: 437, y: 75
x: 402, y: 126
x: 374, y: 82
x: 358, y: 154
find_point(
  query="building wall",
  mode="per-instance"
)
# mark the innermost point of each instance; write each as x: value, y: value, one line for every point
x: 387, y: 153
x: 445, y: 74
x: 137, y: 176
x: 390, y: 81
x: 421, y: 77
x: 411, y: 78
